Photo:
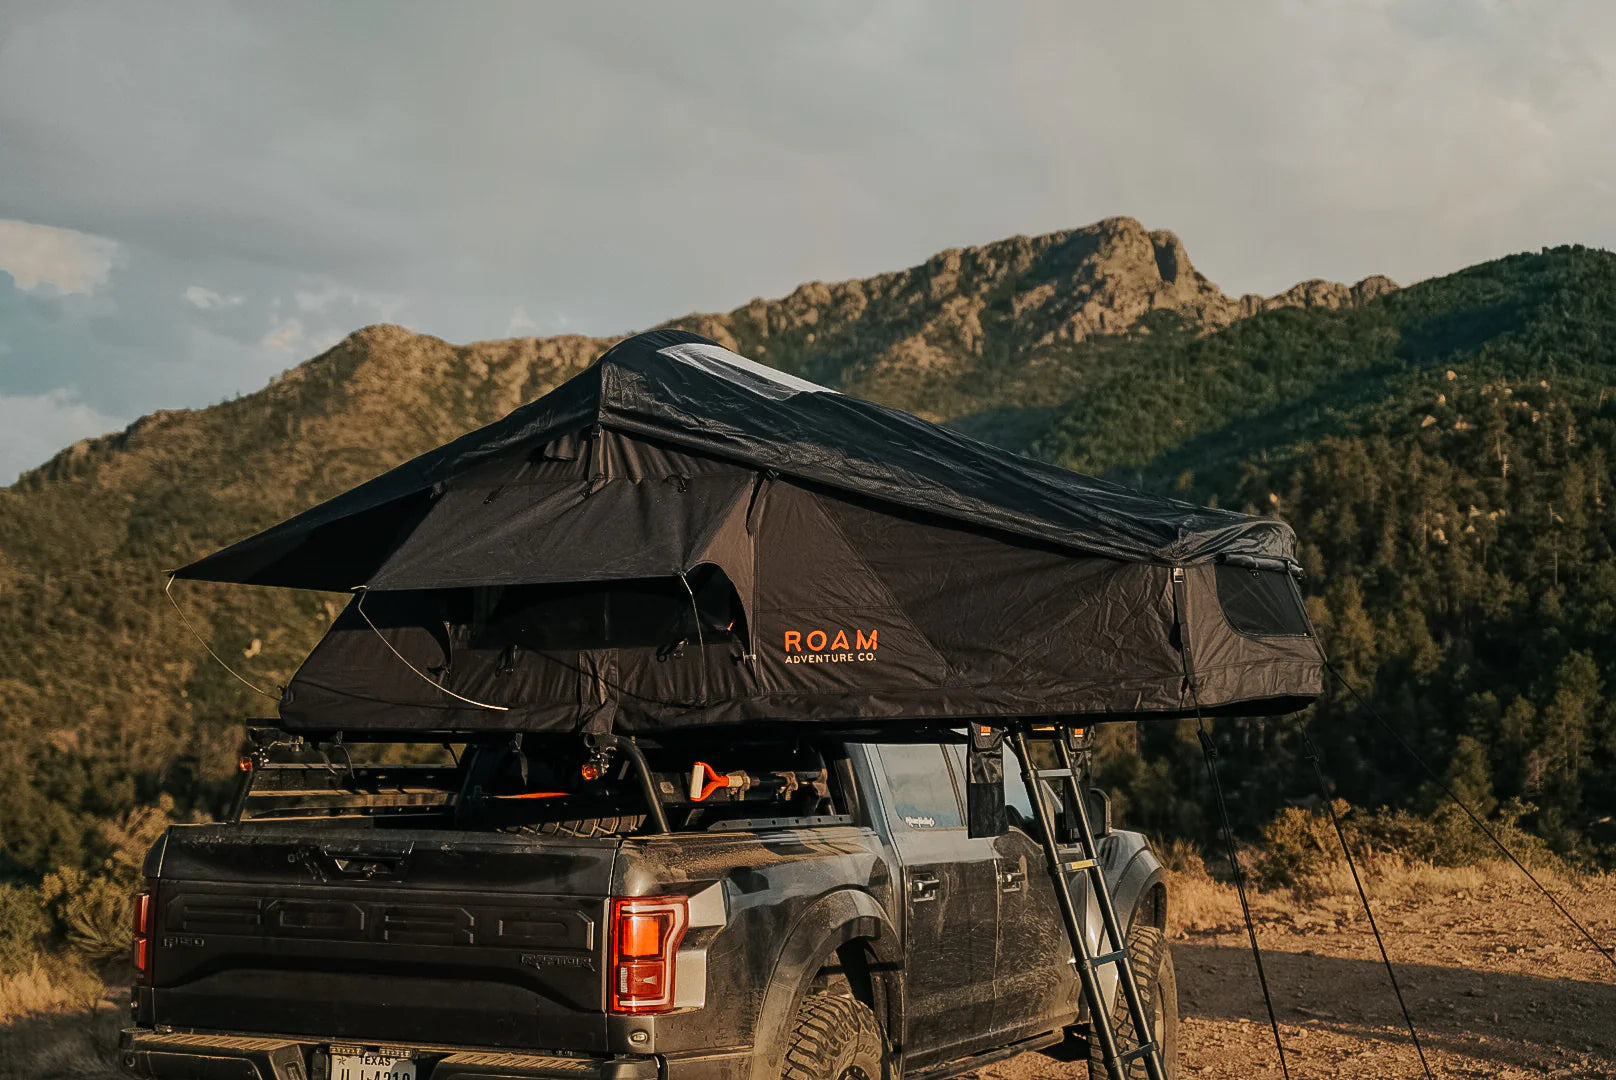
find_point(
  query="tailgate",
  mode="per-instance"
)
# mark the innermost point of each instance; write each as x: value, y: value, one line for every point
x: 420, y: 937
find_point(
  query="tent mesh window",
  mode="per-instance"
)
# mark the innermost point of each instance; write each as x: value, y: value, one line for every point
x: 1261, y: 603
x: 603, y: 615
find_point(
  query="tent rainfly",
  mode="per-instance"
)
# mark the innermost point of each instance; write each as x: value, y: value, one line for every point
x: 679, y: 537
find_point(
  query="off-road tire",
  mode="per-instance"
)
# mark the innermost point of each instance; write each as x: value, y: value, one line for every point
x: 621, y: 825
x: 1158, y: 990
x: 834, y: 1037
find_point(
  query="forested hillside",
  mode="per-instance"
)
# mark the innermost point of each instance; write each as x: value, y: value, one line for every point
x: 1445, y: 455
x: 1443, y: 451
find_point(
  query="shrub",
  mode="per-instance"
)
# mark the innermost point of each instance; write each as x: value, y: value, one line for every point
x: 93, y: 913
x: 23, y: 926
x: 1296, y: 844
x: 1300, y: 847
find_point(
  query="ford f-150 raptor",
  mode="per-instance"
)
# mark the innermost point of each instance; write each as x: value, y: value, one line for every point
x: 808, y: 908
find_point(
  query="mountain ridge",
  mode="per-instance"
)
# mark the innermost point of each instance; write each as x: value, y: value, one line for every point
x: 1096, y: 280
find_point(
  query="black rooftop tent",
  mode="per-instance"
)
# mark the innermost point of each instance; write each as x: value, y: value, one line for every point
x: 679, y: 537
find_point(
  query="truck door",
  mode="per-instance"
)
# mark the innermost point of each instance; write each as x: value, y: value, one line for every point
x: 950, y: 895
x: 1036, y: 982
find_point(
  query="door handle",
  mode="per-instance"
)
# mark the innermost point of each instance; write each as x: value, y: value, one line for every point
x: 1012, y: 880
x: 924, y: 888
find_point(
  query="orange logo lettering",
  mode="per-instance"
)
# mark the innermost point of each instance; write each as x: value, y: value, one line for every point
x: 830, y: 646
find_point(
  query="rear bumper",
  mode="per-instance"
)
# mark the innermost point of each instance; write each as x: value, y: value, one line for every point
x: 176, y: 1056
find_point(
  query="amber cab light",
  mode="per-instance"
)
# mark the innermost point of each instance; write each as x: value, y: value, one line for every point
x: 645, y: 937
x: 142, y: 912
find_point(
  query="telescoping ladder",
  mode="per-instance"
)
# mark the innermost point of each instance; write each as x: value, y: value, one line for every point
x: 1064, y: 861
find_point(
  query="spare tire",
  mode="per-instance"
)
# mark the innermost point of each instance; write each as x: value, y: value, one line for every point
x: 588, y: 828
x: 621, y: 825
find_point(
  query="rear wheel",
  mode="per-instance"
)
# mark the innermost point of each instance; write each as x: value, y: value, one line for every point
x: 1158, y: 989
x: 834, y: 1037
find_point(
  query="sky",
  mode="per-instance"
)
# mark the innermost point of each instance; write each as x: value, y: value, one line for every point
x: 197, y: 196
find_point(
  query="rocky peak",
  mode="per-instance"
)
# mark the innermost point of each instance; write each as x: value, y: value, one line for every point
x: 1010, y: 297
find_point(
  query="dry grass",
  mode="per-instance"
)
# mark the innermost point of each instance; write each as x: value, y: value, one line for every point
x: 1195, y: 899
x: 57, y: 1024
x: 48, y: 989
x: 1200, y: 902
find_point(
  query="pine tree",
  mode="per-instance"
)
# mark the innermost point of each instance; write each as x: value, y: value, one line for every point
x: 1469, y: 777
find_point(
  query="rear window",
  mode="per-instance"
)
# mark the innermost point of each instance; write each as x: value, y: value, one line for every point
x: 921, y: 786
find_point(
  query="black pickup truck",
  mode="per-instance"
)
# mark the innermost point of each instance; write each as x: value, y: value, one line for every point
x: 599, y: 910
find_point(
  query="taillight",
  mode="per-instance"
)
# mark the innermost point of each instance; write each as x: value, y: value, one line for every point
x: 144, y: 909
x: 646, y: 933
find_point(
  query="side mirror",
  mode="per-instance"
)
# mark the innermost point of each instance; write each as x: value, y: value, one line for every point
x: 1066, y: 820
x: 1099, y: 810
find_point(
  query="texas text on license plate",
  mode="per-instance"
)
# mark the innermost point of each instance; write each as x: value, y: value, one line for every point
x: 383, y: 1063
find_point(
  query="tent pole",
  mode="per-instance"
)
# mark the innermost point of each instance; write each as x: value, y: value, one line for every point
x: 1210, y: 753
x: 1311, y: 752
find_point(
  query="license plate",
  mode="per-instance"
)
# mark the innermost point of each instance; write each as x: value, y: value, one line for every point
x: 351, y: 1063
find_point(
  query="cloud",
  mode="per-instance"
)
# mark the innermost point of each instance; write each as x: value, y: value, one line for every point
x: 319, y: 296
x: 33, y: 427
x: 36, y: 255
x: 292, y: 160
x: 328, y: 310
x: 285, y: 335
x: 205, y: 298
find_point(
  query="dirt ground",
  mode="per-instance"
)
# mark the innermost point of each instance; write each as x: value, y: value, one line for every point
x: 1498, y: 983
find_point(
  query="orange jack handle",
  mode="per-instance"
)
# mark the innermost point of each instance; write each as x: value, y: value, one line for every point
x: 704, y: 780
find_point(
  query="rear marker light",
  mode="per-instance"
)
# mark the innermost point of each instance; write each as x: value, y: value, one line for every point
x: 645, y: 937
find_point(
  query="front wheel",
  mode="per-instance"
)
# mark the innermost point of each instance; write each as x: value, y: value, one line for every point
x: 834, y: 1037
x: 1158, y: 990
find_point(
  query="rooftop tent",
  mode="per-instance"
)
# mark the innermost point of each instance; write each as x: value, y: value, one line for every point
x: 679, y: 537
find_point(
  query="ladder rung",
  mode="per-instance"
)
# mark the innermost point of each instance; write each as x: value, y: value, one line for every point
x: 1068, y: 852
x: 1139, y: 1051
x: 1109, y: 958
x: 1051, y: 774
x: 1078, y: 864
